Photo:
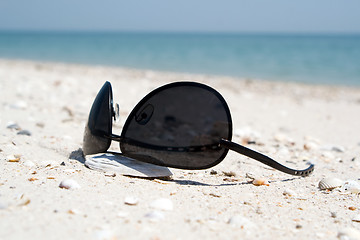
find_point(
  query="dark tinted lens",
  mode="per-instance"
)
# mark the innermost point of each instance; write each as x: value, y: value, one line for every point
x: 99, y: 123
x: 178, y: 125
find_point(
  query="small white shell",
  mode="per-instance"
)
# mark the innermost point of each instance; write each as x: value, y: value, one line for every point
x: 69, y: 184
x: 162, y: 204
x: 330, y: 183
x: 29, y: 164
x: 351, y: 186
x: 131, y: 201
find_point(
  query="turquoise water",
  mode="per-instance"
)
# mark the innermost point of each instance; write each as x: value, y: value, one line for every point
x: 318, y: 59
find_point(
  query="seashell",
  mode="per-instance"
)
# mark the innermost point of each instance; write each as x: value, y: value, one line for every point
x: 25, y: 202
x: 13, y: 125
x: 162, y: 204
x: 155, y: 216
x: 29, y: 164
x: 69, y: 184
x: 215, y: 195
x: 260, y: 181
x: 350, y: 186
x: 13, y: 158
x: 131, y: 201
x: 106, y: 162
x: 24, y: 132
x: 356, y: 218
x: 330, y: 183
x: 73, y: 211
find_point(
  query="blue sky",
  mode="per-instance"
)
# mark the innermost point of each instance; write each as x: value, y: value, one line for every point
x: 184, y: 15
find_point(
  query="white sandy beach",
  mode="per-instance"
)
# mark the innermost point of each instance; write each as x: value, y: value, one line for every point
x: 295, y: 124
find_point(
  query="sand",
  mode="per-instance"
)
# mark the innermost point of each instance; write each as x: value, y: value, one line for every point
x: 293, y: 123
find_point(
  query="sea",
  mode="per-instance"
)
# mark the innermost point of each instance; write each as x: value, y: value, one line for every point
x: 330, y: 59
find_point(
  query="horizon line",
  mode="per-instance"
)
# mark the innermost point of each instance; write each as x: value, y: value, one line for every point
x: 194, y: 32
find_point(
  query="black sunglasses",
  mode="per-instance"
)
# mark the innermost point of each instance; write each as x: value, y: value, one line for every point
x: 184, y: 125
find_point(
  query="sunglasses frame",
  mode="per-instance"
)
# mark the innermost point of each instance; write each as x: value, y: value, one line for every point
x: 227, y: 144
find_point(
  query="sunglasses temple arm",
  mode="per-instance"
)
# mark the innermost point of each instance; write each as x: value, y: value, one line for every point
x: 265, y: 159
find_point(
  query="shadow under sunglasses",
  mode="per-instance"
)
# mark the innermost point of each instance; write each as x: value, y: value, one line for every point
x: 184, y: 125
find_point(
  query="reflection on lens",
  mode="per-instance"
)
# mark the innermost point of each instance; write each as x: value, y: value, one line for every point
x: 181, y: 129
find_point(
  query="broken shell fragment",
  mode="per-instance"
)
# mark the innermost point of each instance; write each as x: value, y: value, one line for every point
x: 73, y: 211
x: 69, y: 184
x: 260, y: 181
x: 13, y: 125
x: 13, y: 158
x: 24, y: 132
x: 356, y: 218
x: 330, y: 183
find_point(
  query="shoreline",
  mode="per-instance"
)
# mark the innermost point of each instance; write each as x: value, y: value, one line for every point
x: 180, y: 73
x: 296, y: 124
